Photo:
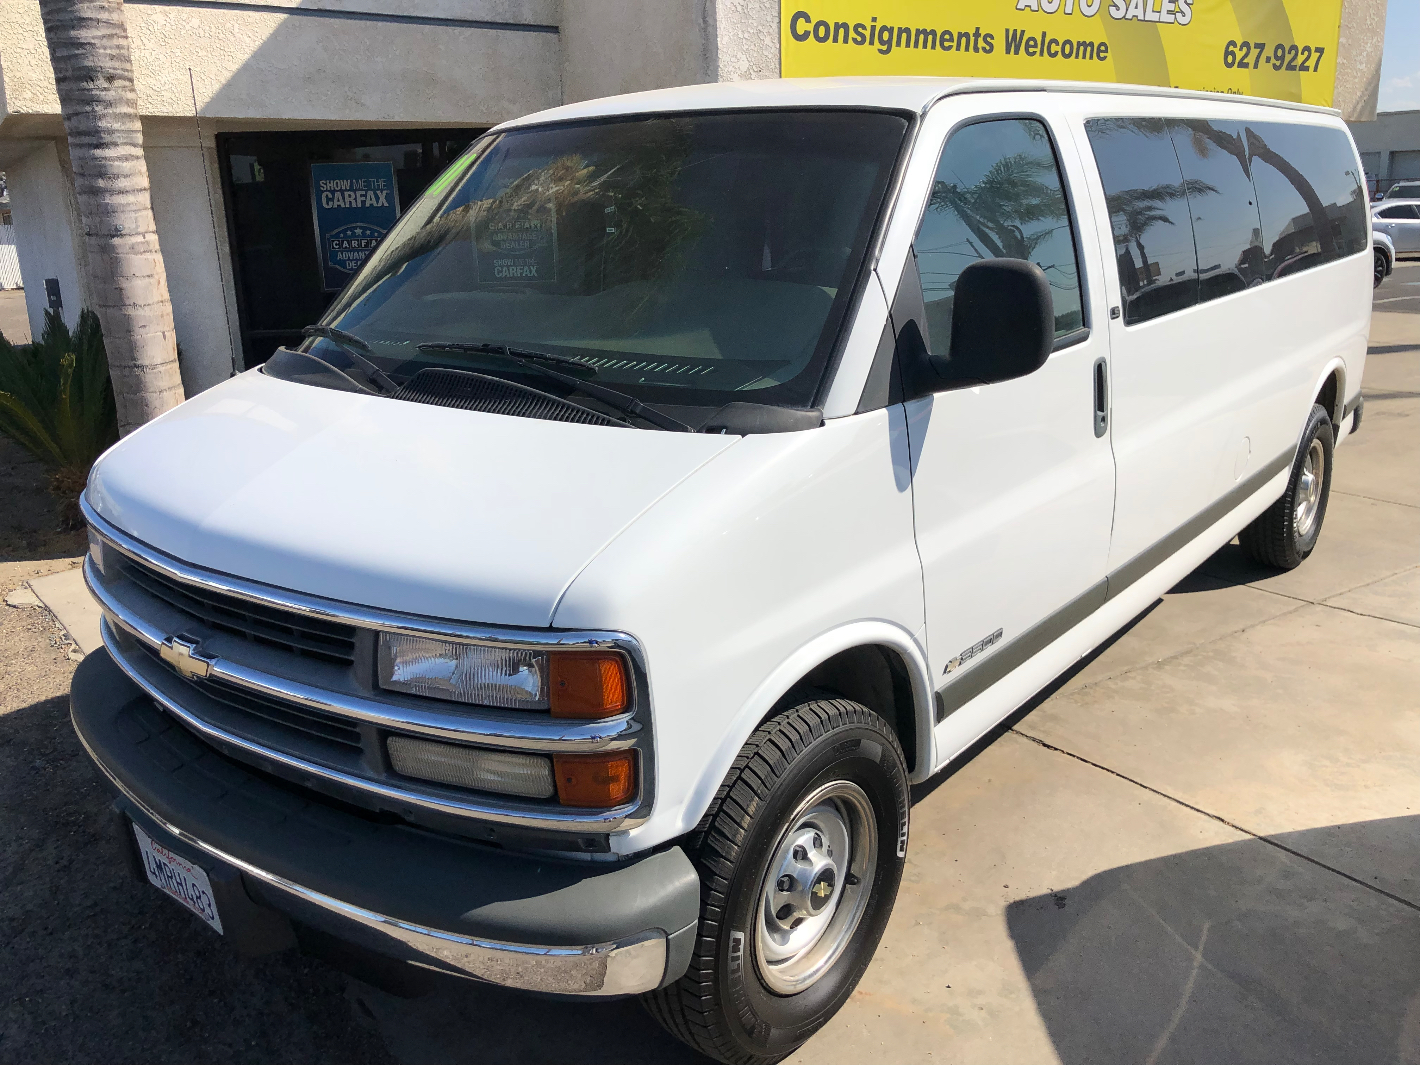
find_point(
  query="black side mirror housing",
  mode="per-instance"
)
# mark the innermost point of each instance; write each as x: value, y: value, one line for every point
x: 1003, y: 327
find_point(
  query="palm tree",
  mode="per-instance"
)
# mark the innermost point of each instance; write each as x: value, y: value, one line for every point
x: 93, y: 73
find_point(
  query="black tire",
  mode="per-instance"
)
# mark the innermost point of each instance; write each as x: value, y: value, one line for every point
x: 722, y: 1006
x: 1274, y: 538
x: 1381, y: 268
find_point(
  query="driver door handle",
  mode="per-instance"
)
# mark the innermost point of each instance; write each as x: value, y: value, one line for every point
x: 1101, y: 397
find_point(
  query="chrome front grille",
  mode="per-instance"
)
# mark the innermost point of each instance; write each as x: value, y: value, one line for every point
x: 301, y: 724
x: 309, y: 637
x: 285, y: 681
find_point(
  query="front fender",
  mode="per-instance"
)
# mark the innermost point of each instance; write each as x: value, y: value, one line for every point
x: 752, y: 713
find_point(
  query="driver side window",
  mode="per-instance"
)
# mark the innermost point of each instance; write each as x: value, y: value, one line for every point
x: 997, y: 194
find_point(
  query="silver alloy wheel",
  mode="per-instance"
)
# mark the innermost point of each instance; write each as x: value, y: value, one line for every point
x: 1308, y: 498
x: 816, y: 887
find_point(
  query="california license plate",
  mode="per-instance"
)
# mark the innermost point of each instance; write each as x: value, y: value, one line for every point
x: 179, y: 878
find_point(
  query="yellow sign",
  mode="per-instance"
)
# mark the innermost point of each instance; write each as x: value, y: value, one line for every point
x: 1283, y: 49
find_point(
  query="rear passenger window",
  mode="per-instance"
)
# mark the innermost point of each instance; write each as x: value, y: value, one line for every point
x: 1227, y: 229
x: 997, y: 194
x: 1149, y: 215
x: 1313, y: 201
x: 1405, y: 211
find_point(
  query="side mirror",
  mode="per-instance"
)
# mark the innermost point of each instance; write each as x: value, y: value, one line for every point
x: 1003, y: 326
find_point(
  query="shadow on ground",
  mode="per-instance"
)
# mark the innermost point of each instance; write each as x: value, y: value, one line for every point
x: 99, y: 968
x: 1237, y: 953
x: 30, y: 524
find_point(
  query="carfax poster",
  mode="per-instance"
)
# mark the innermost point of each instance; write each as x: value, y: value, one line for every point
x: 355, y: 204
x: 1283, y: 49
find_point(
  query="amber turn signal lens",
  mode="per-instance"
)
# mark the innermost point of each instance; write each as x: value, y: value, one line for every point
x: 587, y: 684
x: 596, y: 780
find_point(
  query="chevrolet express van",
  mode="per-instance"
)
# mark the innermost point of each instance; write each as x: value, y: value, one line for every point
x: 686, y: 475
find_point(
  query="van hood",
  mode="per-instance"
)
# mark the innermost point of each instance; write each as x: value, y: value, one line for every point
x: 429, y: 510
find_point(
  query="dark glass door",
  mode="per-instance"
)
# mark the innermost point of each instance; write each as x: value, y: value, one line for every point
x: 266, y: 186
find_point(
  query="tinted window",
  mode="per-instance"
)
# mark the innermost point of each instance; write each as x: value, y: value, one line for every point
x: 1227, y: 231
x: 1148, y: 212
x: 997, y: 194
x: 1312, y: 199
x: 1404, y: 211
x: 691, y: 260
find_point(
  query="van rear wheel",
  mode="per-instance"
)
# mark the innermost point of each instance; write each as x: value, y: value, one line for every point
x: 1285, y: 533
x: 800, y: 857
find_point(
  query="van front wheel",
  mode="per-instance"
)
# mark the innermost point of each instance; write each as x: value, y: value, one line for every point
x: 800, y: 856
x: 1284, y: 534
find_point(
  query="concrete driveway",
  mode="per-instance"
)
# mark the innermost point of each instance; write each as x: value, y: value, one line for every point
x: 1202, y: 846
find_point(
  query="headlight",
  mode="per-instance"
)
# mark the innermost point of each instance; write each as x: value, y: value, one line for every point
x: 570, y: 683
x: 464, y: 672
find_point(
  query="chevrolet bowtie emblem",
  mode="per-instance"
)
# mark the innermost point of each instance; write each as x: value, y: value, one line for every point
x: 822, y: 890
x: 182, y: 654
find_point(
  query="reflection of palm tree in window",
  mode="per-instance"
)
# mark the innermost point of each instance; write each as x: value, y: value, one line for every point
x: 1009, y: 196
x: 632, y: 184
x: 1136, y: 211
x: 1321, y: 223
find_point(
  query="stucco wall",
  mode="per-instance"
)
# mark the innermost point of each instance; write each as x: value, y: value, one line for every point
x: 1358, y: 58
x: 197, y: 258
x: 746, y: 39
x: 46, y: 224
x: 618, y: 46
x: 454, y: 63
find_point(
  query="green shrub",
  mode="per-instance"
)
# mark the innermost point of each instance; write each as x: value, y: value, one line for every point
x: 56, y: 401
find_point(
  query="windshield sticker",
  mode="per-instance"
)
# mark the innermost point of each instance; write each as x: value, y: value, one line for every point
x: 517, y: 243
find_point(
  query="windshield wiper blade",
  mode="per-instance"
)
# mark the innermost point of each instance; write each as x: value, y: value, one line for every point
x: 356, y: 349
x: 478, y: 348
x: 532, y: 360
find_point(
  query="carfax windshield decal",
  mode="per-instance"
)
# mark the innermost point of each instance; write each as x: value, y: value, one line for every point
x: 515, y: 234
x: 1283, y: 49
x: 354, y: 204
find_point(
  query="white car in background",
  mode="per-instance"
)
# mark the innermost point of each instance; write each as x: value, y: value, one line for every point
x: 1383, y: 249
x: 1400, y: 221
x: 1402, y: 190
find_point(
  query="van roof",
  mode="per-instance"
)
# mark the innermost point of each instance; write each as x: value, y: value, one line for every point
x: 900, y: 93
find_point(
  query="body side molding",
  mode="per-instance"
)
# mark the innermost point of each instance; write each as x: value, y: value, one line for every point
x: 958, y: 693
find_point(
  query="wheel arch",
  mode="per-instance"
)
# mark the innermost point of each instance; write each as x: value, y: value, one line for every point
x: 1330, y: 390
x: 876, y: 663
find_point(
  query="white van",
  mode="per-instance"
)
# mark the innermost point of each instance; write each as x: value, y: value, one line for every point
x: 684, y: 476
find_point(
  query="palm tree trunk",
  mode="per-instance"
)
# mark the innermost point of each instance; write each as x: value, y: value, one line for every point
x: 93, y: 72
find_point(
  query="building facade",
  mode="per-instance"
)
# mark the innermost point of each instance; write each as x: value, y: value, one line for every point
x: 244, y: 103
x: 1390, y: 148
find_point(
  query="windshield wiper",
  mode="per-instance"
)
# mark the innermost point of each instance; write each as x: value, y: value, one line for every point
x: 356, y: 349
x: 532, y: 360
x: 477, y: 348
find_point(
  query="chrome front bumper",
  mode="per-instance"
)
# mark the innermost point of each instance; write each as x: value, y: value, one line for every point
x: 626, y: 967
x: 535, y: 922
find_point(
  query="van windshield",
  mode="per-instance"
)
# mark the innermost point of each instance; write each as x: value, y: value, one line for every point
x: 687, y: 260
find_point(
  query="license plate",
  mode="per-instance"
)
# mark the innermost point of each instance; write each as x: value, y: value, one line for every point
x: 179, y: 878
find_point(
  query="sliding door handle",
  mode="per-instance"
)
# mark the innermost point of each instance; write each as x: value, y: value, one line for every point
x: 1101, y: 397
